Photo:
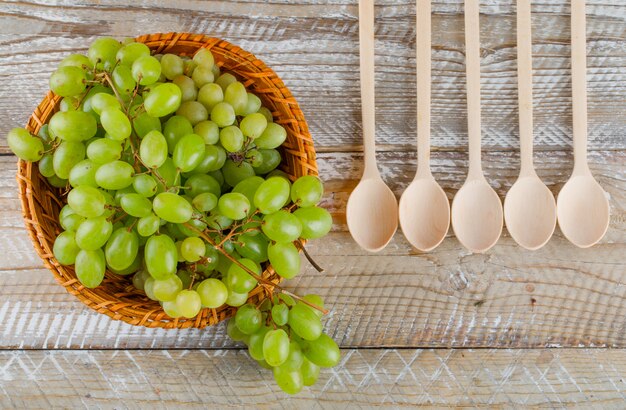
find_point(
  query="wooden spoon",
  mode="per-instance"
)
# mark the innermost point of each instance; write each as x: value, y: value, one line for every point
x: 372, y: 209
x: 582, y: 205
x: 476, y: 208
x: 424, y: 206
x: 529, y: 207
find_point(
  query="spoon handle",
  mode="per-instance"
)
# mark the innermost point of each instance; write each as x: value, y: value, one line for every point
x: 525, y: 86
x: 423, y: 60
x: 472, y: 69
x: 579, y: 86
x: 368, y: 112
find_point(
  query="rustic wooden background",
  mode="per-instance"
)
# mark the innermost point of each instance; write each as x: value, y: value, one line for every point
x: 396, y: 314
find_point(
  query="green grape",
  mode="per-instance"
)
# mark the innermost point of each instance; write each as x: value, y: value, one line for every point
x: 90, y: 267
x: 24, y: 145
x: 210, y: 95
x: 212, y: 256
x: 285, y: 259
x: 136, y: 205
x: 223, y: 114
x: 188, y: 152
x: 231, y: 138
x: 253, y: 104
x: 204, y: 202
x: 193, y: 111
x: 276, y: 347
x: 282, y: 226
x: 236, y: 299
x: 208, y: 130
x: 239, y: 280
x: 73, y: 126
x: 65, y: 248
x: 248, y: 319
x: 219, y: 177
x: 192, y: 249
x: 233, y: 331
x: 148, y: 225
x: 185, y: 278
x: 271, y: 159
x: 310, y: 372
x: 248, y: 187
x: 104, y: 150
x: 225, y: 80
x: 296, y: 357
x: 176, y: 128
x: 115, y: 123
x: 201, y: 76
x: 272, y: 195
x: 120, y: 193
x: 148, y: 286
x: 66, y: 156
x: 323, y: 351
x: 213, y: 293
x: 131, y: 52
x: 76, y: 60
x: 316, y: 222
x: 200, y: 183
x: 290, y: 381
x: 171, y: 66
x: 305, y: 323
x: 168, y: 173
x: 57, y: 182
x: 161, y: 256
x: 236, y: 95
x: 188, y: 66
x: 121, y: 248
x: 166, y: 290
x: 86, y: 201
x: 46, y: 167
x: 317, y: 301
x: 267, y: 114
x: 145, y: 185
x: 102, y: 52
x: 69, y: 104
x: 84, y: 173
x: 307, y: 191
x: 143, y: 123
x: 254, y: 157
x: 153, y: 149
x: 188, y: 303
x: 253, y: 125
x: 204, y: 58
x: 234, y: 172
x: 164, y: 99
x: 140, y: 278
x: 255, y: 343
x: 93, y: 233
x: 146, y: 70
x: 252, y: 247
x: 123, y: 81
x: 187, y: 87
x: 216, y: 71
x: 272, y: 137
x: 214, y: 159
x: 280, y: 314
x: 171, y: 309
x: 178, y: 252
x: 115, y: 175
x: 234, y: 205
x: 68, y: 81
x: 172, y: 208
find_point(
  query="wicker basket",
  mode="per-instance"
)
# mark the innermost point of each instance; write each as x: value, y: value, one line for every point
x: 116, y: 297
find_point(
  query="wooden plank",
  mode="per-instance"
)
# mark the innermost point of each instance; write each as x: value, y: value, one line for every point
x: 554, y: 378
x: 557, y: 296
x: 314, y: 48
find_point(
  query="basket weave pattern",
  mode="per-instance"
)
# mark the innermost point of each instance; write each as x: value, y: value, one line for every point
x: 116, y: 297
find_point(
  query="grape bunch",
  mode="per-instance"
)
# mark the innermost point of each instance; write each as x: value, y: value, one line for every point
x: 170, y: 171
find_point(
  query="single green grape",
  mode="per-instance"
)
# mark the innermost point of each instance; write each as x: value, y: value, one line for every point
x: 171, y: 309
x: 271, y: 159
x: 285, y: 259
x: 161, y: 256
x: 253, y: 125
x: 136, y: 205
x: 146, y: 70
x: 45, y: 165
x: 24, y: 145
x: 171, y: 66
x: 304, y: 322
x: 210, y: 95
x: 188, y: 303
x: 276, y: 347
x: 316, y: 222
x: 225, y: 80
x: 290, y: 381
x: 86, y: 201
x: 104, y: 150
x: 76, y: 60
x: 187, y: 87
x: 238, y: 279
x: 129, y: 53
x: 115, y: 175
x: 237, y: 96
x: 233, y: 331
x: 231, y: 138
x: 123, y: 81
x: 234, y: 172
x: 255, y: 342
x: 139, y: 279
x: 102, y: 52
x: 84, y: 173
x: 65, y: 248
x: 148, y: 225
x: 236, y: 299
x: 282, y: 226
x: 272, y: 195
x: 193, y: 111
x: 307, y: 191
x: 115, y: 123
x: 252, y: 247
x: 192, y: 249
x: 223, y: 114
x: 234, y: 205
x: 248, y: 319
x: 253, y: 104
x: 197, y: 184
x: 145, y: 185
x: 121, y: 248
x: 188, y: 152
x: 66, y: 156
x: 213, y: 293
x: 323, y: 351
x: 248, y: 187
x: 143, y: 123
x: 272, y: 137
x: 68, y: 81
x: 73, y: 126
x: 280, y: 314
x: 90, y: 267
x: 93, y: 233
x: 202, y: 76
x: 153, y: 149
x: 172, y: 208
x: 164, y: 99
x: 208, y: 130
x: 204, y: 58
x: 310, y: 372
x: 166, y: 290
x: 204, y: 202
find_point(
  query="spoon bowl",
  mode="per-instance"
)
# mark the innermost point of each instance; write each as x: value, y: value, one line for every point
x: 477, y: 215
x: 424, y: 214
x: 530, y: 212
x: 583, y: 211
x: 372, y: 214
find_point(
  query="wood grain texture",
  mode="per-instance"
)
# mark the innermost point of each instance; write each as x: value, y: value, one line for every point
x: 585, y: 378
x: 314, y: 47
x: 509, y: 297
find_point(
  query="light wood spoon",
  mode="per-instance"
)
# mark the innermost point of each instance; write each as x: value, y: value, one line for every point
x: 424, y: 206
x: 372, y: 209
x: 582, y: 205
x: 529, y: 206
x: 476, y: 208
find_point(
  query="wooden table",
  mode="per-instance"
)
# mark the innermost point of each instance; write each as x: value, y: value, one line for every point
x: 448, y: 328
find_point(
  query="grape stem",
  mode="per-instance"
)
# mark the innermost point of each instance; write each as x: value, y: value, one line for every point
x: 272, y: 285
x: 107, y: 78
x: 308, y: 257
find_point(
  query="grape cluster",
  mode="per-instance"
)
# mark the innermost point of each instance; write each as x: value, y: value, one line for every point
x: 170, y: 169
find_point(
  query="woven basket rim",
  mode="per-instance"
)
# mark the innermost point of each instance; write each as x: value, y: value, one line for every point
x: 37, y: 196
